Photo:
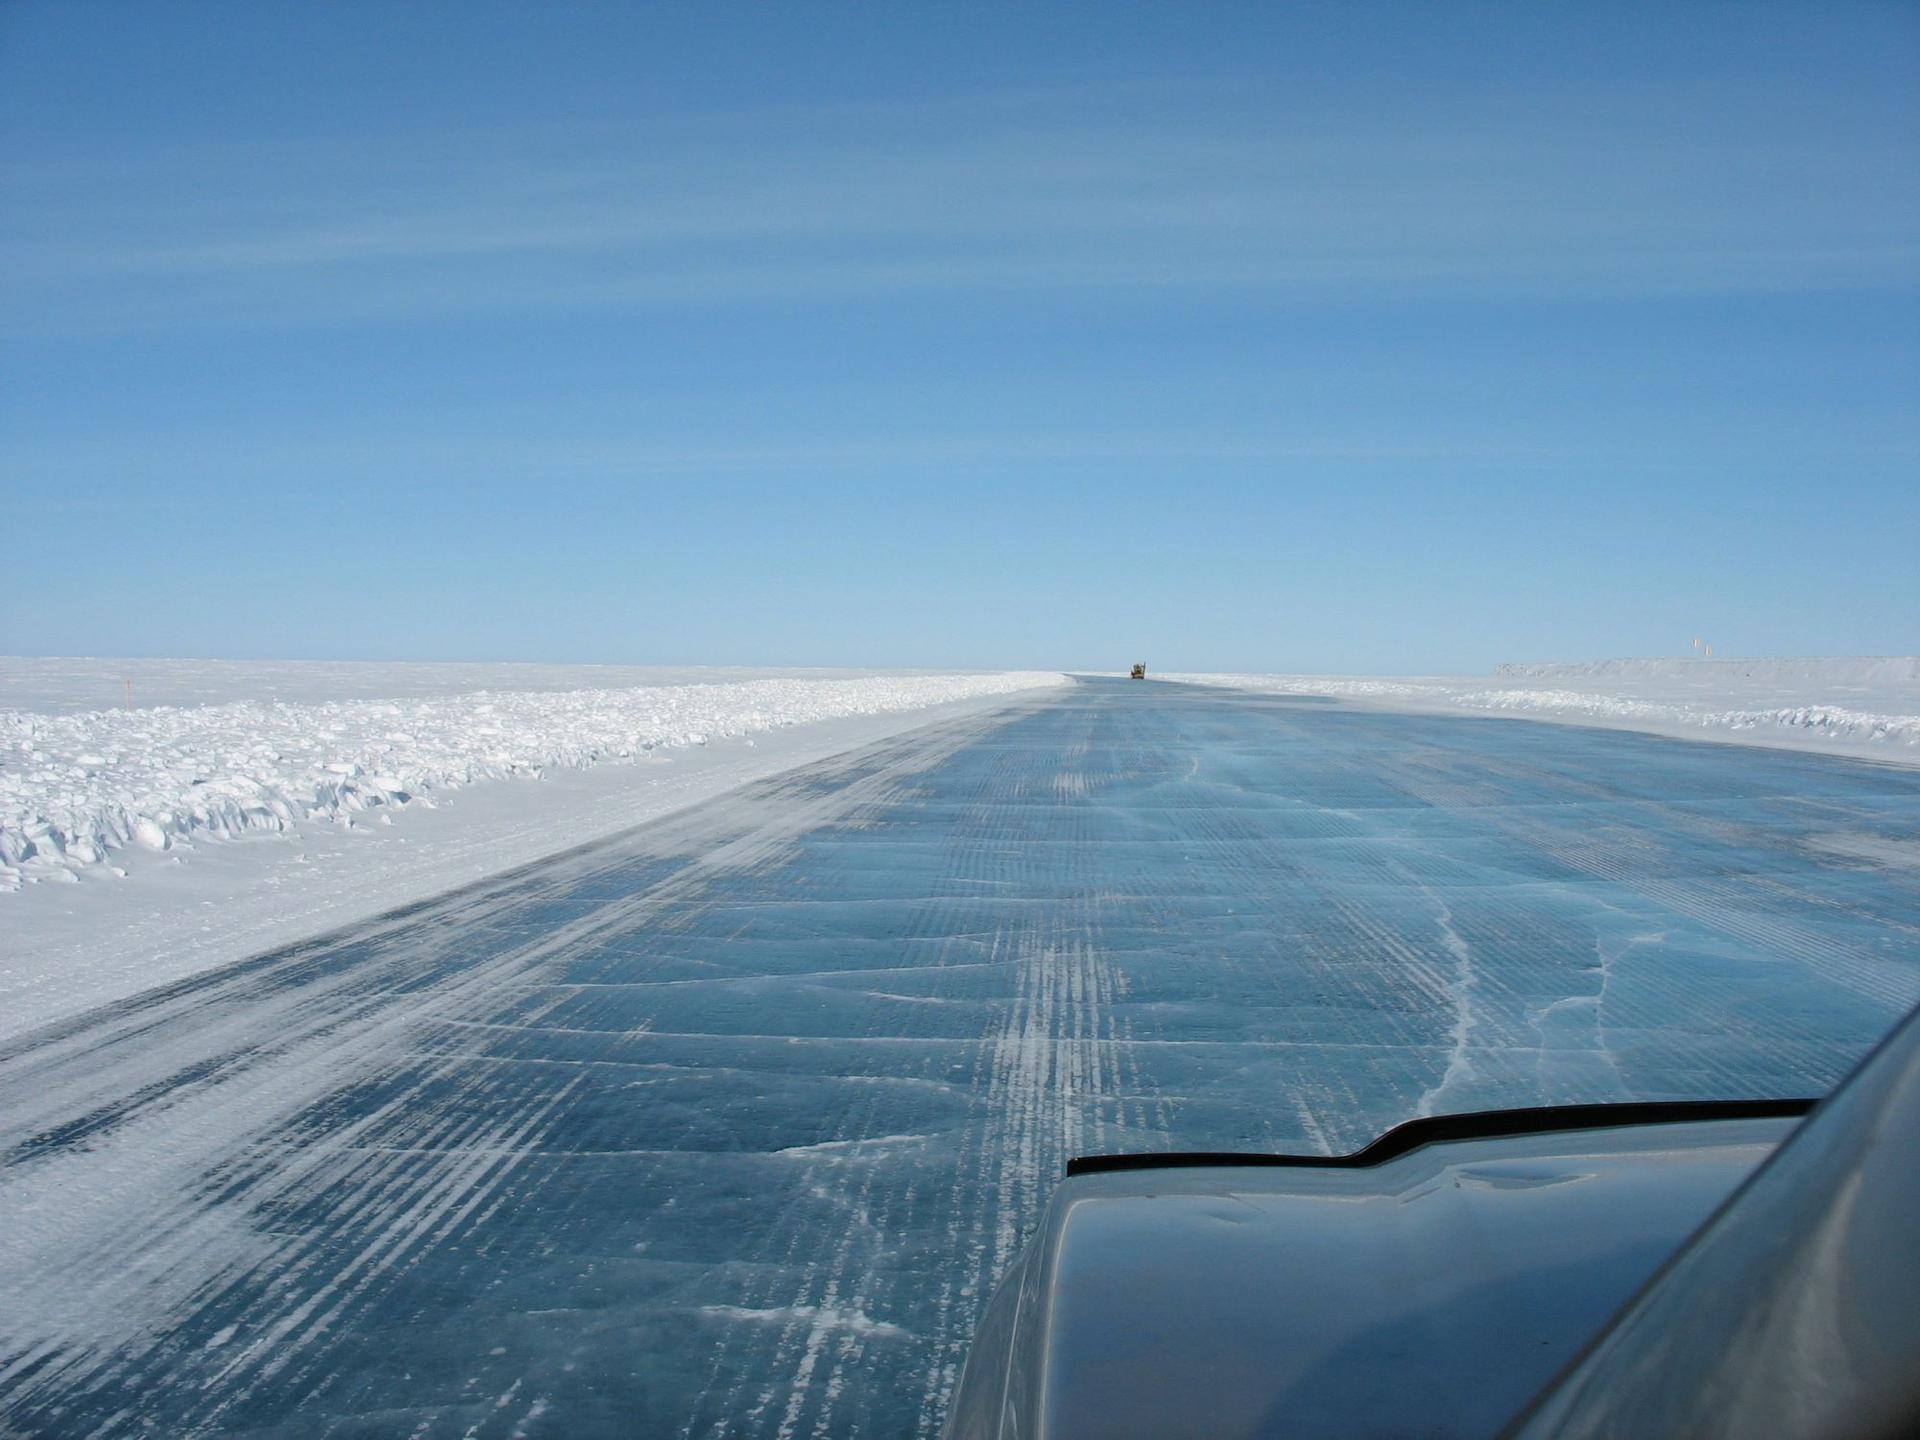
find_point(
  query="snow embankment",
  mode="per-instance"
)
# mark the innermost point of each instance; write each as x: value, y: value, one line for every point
x: 1867, y: 708
x: 58, y: 685
x: 76, y: 788
x: 1827, y: 672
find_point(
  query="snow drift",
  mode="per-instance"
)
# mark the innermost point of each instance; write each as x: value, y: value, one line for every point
x: 75, y: 788
x: 1863, y: 707
x: 1831, y: 672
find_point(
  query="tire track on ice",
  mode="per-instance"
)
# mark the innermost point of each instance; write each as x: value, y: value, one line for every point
x: 280, y: 1242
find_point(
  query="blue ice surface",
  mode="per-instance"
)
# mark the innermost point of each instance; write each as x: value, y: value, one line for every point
x: 728, y: 1126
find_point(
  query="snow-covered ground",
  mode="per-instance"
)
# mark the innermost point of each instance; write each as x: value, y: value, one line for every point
x: 140, y: 845
x: 59, y: 686
x: 1868, y: 708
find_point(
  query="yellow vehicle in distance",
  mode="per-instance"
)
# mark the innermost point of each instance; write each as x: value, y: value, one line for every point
x: 1139, y: 672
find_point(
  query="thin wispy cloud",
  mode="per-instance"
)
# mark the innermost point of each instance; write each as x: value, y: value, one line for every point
x: 638, y: 458
x: 1351, y: 326
x: 828, y: 208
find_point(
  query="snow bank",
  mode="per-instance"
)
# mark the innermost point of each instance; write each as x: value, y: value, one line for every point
x: 61, y: 685
x: 1826, y: 671
x: 1828, y: 720
x: 1863, y: 707
x: 77, y: 787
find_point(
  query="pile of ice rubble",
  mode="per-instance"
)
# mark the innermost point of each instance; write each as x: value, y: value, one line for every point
x: 1861, y: 706
x: 74, y: 788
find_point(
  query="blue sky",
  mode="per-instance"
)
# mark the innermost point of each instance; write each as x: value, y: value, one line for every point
x: 1355, y: 338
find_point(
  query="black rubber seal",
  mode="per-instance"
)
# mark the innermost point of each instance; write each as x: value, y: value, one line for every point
x: 1473, y: 1125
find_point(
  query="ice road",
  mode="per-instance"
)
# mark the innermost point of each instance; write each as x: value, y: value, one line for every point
x: 727, y: 1126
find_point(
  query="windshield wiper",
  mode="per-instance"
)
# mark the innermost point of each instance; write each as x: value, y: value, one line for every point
x: 1468, y: 1125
